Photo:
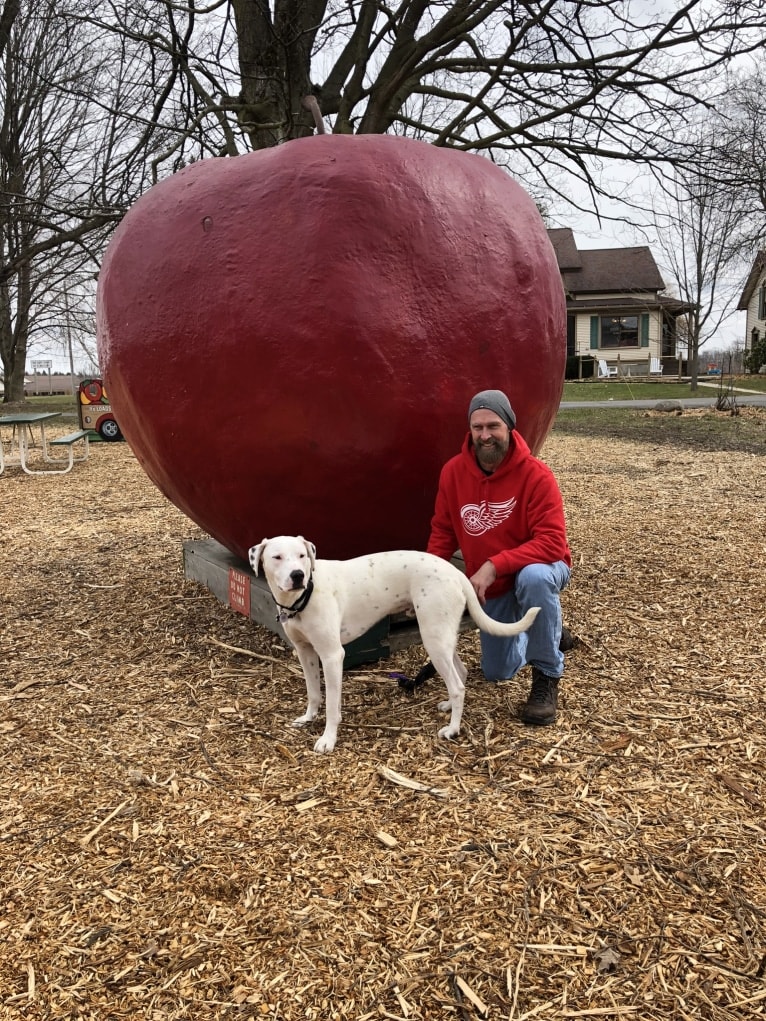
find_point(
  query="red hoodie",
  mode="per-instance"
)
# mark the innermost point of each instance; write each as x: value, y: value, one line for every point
x: 513, y: 517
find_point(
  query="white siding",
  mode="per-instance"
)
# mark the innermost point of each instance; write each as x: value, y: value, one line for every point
x: 627, y: 354
x: 752, y: 320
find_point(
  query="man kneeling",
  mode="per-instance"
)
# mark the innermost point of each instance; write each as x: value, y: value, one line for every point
x: 502, y: 508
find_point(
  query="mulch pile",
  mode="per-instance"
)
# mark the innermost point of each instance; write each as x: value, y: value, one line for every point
x: 171, y: 848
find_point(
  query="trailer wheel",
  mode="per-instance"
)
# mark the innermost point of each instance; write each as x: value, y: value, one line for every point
x: 109, y: 430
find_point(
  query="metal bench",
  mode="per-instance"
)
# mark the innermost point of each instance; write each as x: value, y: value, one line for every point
x: 69, y: 441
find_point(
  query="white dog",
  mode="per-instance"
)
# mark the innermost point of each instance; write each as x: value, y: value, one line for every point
x: 325, y: 604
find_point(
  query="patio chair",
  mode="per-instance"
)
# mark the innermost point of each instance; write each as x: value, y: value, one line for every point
x: 655, y: 367
x: 604, y: 370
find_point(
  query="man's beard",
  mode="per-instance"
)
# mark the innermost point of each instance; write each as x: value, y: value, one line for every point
x: 490, y: 454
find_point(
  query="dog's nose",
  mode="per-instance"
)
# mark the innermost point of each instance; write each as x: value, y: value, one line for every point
x: 296, y: 577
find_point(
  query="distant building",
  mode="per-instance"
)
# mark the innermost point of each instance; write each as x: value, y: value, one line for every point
x: 41, y: 384
x: 753, y: 302
x: 615, y: 309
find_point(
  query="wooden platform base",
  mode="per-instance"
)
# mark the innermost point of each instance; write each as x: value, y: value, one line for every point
x: 233, y: 583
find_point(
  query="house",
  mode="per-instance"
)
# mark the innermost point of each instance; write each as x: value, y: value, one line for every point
x: 615, y: 309
x: 753, y: 302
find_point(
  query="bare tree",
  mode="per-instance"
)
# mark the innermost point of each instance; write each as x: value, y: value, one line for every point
x: 699, y: 232
x: 76, y: 138
x: 548, y: 89
x: 722, y: 196
x: 727, y: 360
x: 738, y: 158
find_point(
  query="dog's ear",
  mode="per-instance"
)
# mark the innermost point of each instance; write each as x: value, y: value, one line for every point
x: 255, y: 553
x: 311, y: 550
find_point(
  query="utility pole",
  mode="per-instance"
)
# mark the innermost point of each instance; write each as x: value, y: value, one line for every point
x: 69, y: 340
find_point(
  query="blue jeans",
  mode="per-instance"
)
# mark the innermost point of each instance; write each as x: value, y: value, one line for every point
x: 536, y: 585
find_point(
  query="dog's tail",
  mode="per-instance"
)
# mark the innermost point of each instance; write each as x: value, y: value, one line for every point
x: 486, y: 623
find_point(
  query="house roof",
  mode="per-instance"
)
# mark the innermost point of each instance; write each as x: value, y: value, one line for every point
x: 759, y: 265
x: 615, y: 269
x: 565, y: 247
x: 600, y: 270
x: 630, y: 305
x: 630, y: 274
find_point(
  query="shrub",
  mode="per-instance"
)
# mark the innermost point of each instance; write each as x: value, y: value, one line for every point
x: 756, y: 356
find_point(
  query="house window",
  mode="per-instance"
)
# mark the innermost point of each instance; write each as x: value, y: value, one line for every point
x: 619, y: 331
x: 762, y: 301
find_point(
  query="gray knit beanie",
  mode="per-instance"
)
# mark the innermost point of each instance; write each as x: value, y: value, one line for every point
x: 494, y: 400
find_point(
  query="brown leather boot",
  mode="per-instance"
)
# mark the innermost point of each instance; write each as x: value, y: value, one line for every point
x: 568, y: 641
x: 540, y: 708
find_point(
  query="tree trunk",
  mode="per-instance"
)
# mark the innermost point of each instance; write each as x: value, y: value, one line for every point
x: 14, y: 342
x: 693, y: 350
x: 693, y: 368
x: 274, y: 63
x: 7, y: 18
x: 13, y: 382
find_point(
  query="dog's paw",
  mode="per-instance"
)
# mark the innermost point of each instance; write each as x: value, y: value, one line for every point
x: 303, y: 720
x: 445, y: 707
x: 324, y: 744
x: 447, y: 733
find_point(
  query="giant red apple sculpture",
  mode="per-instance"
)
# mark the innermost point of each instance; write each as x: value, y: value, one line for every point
x: 290, y: 339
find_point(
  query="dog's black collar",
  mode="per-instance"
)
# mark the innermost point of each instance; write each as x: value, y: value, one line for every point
x: 288, y: 612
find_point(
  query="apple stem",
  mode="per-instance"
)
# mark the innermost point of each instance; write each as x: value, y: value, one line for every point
x: 310, y: 103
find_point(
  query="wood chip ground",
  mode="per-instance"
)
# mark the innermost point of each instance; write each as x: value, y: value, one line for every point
x: 171, y: 848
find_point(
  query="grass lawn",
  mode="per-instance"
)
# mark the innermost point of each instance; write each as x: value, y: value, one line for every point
x: 702, y: 430
x: 624, y: 390
x: 54, y: 402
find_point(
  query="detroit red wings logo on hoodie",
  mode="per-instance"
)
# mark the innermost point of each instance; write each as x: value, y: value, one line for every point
x: 478, y: 518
